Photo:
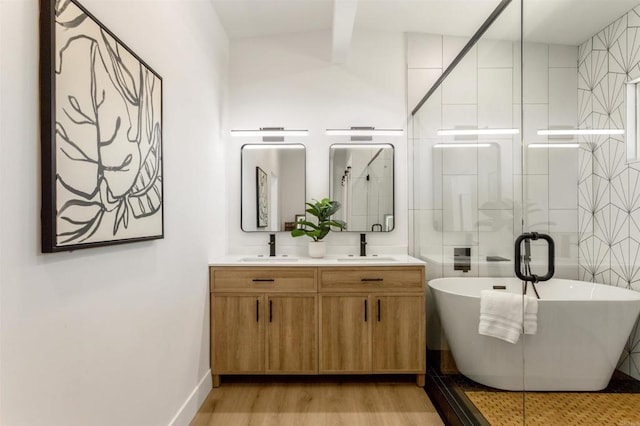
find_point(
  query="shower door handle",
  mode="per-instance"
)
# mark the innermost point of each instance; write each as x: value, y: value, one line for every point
x: 518, y: 258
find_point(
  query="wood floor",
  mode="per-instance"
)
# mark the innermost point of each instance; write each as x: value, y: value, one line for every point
x: 310, y: 402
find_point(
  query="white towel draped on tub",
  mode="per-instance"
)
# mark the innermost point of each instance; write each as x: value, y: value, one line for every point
x: 501, y: 315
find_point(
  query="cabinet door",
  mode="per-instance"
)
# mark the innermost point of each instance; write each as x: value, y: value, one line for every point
x: 292, y: 334
x: 345, y: 334
x: 237, y: 333
x: 398, y: 343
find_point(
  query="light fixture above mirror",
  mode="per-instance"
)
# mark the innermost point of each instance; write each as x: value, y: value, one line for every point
x: 364, y: 133
x: 477, y: 132
x: 269, y: 134
x: 579, y: 132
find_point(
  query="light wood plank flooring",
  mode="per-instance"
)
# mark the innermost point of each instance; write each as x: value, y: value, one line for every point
x: 310, y: 402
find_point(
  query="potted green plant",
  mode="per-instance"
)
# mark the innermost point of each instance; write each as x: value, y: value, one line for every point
x: 322, y: 210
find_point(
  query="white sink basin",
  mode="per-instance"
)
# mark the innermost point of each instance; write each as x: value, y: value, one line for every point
x: 366, y: 259
x: 268, y: 259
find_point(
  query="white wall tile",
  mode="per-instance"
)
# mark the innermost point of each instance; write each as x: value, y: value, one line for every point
x: 563, y: 178
x: 563, y: 98
x: 461, y: 86
x: 496, y: 234
x: 563, y: 221
x: 427, y: 163
x: 536, y: 64
x: 495, y: 54
x: 428, y: 233
x: 460, y: 203
x: 451, y: 46
x: 460, y: 117
x: 460, y: 161
x: 495, y: 175
x: 424, y: 50
x: 495, y: 108
x: 429, y: 118
x: 536, y: 160
x: 536, y: 203
x: 517, y: 67
x: 562, y: 56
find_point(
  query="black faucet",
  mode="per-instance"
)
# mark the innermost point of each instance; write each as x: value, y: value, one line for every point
x: 363, y: 244
x: 272, y: 244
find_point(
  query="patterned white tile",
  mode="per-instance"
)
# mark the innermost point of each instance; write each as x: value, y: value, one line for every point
x: 620, y: 195
x: 632, y: 49
x: 594, y: 69
x: 609, y: 159
x: 585, y: 224
x: 611, y: 224
x: 606, y: 38
x: 633, y: 19
x: 601, y: 193
x: 608, y: 94
x: 595, y: 257
x: 585, y: 163
x: 584, y: 52
x: 625, y: 262
x: 585, y: 108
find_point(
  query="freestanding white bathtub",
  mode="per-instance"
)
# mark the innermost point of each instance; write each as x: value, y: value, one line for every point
x: 582, y: 330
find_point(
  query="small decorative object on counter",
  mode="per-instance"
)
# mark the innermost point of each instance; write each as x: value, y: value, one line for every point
x: 322, y: 210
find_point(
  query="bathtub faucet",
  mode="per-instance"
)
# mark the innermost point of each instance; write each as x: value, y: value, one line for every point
x: 522, y: 264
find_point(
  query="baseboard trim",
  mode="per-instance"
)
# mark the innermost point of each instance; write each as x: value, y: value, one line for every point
x: 187, y: 412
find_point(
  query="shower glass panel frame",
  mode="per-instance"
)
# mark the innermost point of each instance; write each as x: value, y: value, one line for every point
x: 467, y: 189
x: 581, y: 189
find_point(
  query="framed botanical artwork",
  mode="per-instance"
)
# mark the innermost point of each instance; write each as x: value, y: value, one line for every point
x: 101, y: 134
x: 262, y: 198
x: 300, y: 218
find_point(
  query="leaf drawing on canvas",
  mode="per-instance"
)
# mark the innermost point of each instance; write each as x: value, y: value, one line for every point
x: 108, y: 127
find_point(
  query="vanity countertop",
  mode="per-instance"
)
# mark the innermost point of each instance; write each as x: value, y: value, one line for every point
x: 337, y: 260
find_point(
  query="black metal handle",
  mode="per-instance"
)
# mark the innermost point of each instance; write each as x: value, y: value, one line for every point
x: 378, y: 310
x: 270, y: 310
x: 365, y: 310
x: 263, y: 280
x: 371, y: 279
x: 551, y: 257
x: 257, y: 310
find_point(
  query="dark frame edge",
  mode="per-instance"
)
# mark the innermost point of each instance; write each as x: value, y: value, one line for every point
x: 47, y: 130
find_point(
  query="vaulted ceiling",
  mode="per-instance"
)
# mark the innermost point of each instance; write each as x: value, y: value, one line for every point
x: 550, y: 21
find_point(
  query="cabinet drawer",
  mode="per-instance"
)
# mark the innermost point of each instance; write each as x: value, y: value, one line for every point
x: 368, y: 279
x: 262, y: 279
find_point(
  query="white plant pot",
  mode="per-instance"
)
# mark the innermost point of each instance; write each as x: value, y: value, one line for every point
x: 317, y: 249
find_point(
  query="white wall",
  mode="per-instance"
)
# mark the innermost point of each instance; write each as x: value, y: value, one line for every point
x: 289, y: 81
x: 116, y: 335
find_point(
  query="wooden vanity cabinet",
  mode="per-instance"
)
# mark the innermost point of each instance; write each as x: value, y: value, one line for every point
x: 263, y: 321
x: 310, y: 320
x: 372, y: 320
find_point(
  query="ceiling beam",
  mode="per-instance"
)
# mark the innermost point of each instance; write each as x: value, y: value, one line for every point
x: 344, y: 18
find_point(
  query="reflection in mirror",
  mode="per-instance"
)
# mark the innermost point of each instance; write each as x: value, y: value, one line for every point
x: 273, y: 186
x: 361, y: 178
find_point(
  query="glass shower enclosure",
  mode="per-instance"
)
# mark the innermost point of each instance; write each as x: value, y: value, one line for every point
x: 526, y: 134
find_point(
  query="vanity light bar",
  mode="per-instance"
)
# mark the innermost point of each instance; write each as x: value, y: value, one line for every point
x: 269, y: 132
x: 462, y: 145
x: 364, y: 132
x: 475, y: 132
x: 553, y: 145
x: 579, y: 132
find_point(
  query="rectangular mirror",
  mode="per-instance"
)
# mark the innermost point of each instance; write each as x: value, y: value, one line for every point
x: 361, y: 178
x: 273, y: 186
